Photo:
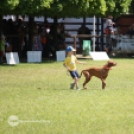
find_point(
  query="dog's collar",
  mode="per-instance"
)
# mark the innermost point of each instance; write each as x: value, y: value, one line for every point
x: 107, y: 68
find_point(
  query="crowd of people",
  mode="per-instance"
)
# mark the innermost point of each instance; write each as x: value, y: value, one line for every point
x: 17, y: 38
x: 44, y: 39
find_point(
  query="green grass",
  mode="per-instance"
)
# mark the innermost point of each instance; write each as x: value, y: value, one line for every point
x: 39, y: 95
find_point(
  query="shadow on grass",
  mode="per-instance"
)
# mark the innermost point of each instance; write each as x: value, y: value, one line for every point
x: 7, y: 65
x: 121, y: 56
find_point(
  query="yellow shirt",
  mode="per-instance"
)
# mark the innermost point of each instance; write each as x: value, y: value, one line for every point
x: 70, y: 62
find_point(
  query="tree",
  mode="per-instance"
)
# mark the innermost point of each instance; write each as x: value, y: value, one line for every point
x: 64, y: 8
x: 131, y: 7
x: 76, y: 8
x: 116, y: 7
x: 32, y: 7
x: 6, y: 6
x: 79, y: 8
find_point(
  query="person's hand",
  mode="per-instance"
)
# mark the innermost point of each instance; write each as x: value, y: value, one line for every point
x: 84, y: 63
x: 68, y: 70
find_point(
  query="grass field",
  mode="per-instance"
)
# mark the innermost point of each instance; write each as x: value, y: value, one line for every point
x: 36, y: 99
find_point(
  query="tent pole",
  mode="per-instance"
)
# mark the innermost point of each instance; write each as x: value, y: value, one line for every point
x: 94, y: 33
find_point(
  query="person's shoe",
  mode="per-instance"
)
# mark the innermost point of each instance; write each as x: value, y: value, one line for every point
x: 78, y: 88
x: 72, y: 85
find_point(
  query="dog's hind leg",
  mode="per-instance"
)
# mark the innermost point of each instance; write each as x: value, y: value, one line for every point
x: 87, y: 78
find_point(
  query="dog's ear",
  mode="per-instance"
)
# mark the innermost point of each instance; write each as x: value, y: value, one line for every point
x: 111, y: 63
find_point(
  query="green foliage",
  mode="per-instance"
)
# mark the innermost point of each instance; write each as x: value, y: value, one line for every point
x: 6, y: 6
x: 97, y: 7
x: 76, y: 8
x: 65, y: 8
x: 117, y: 7
x: 131, y: 7
x: 32, y: 7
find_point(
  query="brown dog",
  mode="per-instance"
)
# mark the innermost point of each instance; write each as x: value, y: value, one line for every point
x: 101, y: 73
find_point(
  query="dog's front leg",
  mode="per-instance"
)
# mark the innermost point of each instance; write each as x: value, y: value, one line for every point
x: 103, y: 83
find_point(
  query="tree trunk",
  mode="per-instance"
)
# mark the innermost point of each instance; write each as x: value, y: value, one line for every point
x: 31, y: 23
x: 102, y: 36
x: 55, y: 31
x: 45, y: 20
x: 97, y: 27
x: 1, y: 26
x: 84, y: 20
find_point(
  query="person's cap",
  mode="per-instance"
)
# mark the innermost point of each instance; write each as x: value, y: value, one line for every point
x: 70, y: 48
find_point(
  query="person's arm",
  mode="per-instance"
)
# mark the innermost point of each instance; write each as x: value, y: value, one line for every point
x: 66, y: 66
x: 79, y: 62
x: 112, y: 23
x: 109, y: 22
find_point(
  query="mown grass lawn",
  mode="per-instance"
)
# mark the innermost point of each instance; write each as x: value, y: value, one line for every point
x: 39, y: 97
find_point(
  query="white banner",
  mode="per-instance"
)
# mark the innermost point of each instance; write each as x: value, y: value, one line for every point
x: 99, y: 55
x: 34, y: 56
x: 60, y: 55
x: 12, y: 58
x: 124, y: 44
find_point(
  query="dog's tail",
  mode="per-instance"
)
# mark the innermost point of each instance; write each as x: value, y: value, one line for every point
x: 81, y: 73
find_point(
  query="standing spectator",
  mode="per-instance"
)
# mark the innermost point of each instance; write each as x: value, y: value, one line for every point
x: 2, y: 48
x: 83, y: 30
x: 37, y: 44
x: 61, y: 37
x: 110, y: 34
x: 21, y: 30
x: 110, y: 24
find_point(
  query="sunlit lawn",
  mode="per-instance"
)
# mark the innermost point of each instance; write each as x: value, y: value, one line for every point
x: 39, y: 97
